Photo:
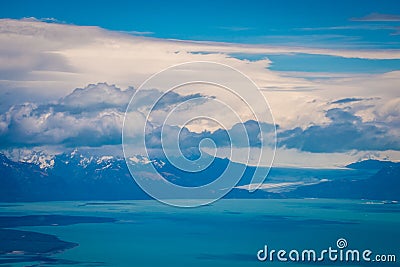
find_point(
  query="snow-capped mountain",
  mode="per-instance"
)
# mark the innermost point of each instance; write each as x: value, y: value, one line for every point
x: 143, y: 160
x: 67, y: 176
x: 79, y: 175
x: 82, y: 175
x: 77, y: 158
x: 35, y: 175
x: 39, y: 158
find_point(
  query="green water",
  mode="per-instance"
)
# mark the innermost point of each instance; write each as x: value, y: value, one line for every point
x: 226, y: 233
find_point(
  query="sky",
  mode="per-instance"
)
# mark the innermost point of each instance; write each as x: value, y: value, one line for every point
x: 330, y: 71
x: 342, y: 23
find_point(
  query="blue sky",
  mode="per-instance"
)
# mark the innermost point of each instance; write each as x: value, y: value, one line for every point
x: 293, y: 22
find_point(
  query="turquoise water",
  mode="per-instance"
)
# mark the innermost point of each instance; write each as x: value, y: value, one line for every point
x: 226, y: 233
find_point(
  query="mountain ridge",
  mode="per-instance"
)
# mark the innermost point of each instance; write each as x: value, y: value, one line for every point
x: 82, y: 176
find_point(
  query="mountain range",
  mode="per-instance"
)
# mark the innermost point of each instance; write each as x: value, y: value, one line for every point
x: 80, y: 176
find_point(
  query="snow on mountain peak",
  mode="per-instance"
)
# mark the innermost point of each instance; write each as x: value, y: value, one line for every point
x: 74, y: 152
x: 39, y: 158
x: 104, y: 159
x: 76, y: 157
x: 137, y: 159
x: 140, y: 159
x: 84, y: 162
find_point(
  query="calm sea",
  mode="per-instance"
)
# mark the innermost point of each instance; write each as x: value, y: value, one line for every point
x: 225, y: 233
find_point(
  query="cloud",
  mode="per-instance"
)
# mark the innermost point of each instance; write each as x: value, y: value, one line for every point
x: 32, y: 125
x: 43, y: 63
x: 96, y: 97
x: 97, y: 123
x: 169, y: 100
x: 83, y: 55
x: 347, y: 100
x: 378, y: 17
x: 138, y: 32
x: 47, y: 20
x: 345, y: 132
x: 245, y: 134
x: 91, y: 116
x: 235, y: 29
x: 389, y: 112
x: 371, y: 27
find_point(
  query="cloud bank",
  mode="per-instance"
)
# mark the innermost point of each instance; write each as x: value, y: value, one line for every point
x: 317, y: 112
x: 93, y: 116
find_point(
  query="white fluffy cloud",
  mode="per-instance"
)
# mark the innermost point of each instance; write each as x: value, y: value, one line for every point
x: 46, y: 61
x: 91, y: 116
x: 97, y: 97
x: 42, y: 63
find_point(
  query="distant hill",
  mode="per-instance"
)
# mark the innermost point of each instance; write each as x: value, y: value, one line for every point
x: 372, y: 164
x: 384, y: 185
